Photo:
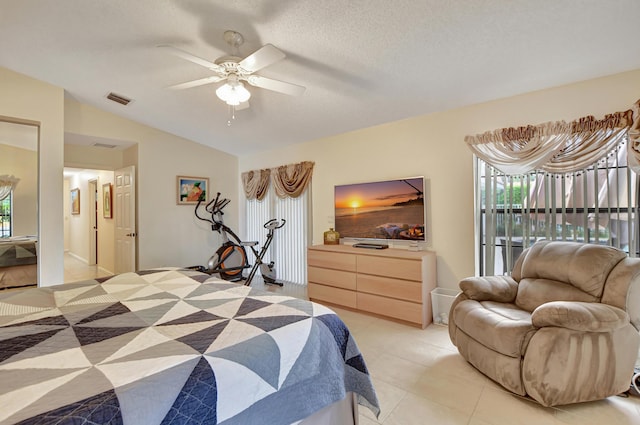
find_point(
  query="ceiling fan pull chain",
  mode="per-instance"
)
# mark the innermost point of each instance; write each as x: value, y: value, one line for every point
x: 232, y: 115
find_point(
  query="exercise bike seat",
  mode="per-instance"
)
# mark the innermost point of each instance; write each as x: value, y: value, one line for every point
x: 251, y: 243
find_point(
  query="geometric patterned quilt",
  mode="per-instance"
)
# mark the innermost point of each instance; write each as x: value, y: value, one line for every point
x: 171, y: 346
x: 17, y: 252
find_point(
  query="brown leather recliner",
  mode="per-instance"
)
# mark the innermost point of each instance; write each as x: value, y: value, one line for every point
x: 563, y: 328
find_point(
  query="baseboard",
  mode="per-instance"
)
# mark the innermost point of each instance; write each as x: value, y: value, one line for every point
x: 79, y: 258
x: 103, y: 270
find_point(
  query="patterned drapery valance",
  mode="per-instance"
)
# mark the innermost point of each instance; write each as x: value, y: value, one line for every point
x: 288, y: 180
x: 256, y: 183
x: 558, y: 147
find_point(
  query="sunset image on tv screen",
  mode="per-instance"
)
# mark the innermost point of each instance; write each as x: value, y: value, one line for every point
x: 391, y: 209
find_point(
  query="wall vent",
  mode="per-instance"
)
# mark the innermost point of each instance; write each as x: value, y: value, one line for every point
x: 118, y: 99
x: 104, y: 145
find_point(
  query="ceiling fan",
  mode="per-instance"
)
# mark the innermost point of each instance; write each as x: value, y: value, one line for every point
x: 233, y: 70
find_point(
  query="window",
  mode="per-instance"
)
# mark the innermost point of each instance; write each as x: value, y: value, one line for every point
x: 597, y: 205
x: 288, y: 249
x: 6, y: 216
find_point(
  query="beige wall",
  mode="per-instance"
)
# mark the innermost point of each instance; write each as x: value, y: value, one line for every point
x: 93, y: 157
x: 433, y: 146
x: 23, y: 164
x: 430, y: 145
x: 168, y: 234
x: 35, y: 101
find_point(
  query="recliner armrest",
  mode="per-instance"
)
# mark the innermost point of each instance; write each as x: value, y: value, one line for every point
x: 579, y: 316
x: 490, y: 288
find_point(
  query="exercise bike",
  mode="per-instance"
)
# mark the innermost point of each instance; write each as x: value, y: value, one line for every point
x: 230, y: 259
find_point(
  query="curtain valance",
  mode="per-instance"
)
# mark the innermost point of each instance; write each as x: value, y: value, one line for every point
x: 555, y: 147
x: 256, y: 183
x: 291, y: 180
x: 634, y: 140
x: 288, y: 180
x: 7, y: 184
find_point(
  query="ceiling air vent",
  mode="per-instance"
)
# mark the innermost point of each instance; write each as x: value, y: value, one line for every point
x: 104, y: 145
x: 118, y: 99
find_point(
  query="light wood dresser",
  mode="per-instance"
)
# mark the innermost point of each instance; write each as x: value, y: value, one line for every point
x: 395, y: 283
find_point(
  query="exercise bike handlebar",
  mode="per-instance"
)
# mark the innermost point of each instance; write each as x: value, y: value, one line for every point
x: 200, y: 199
x: 213, y: 207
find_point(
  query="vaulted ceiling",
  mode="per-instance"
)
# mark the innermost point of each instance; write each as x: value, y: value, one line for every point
x: 363, y: 62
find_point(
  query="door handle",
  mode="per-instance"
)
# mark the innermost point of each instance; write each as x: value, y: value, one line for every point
x: 131, y: 234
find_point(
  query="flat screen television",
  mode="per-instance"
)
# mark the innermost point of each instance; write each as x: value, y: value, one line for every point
x: 383, y: 210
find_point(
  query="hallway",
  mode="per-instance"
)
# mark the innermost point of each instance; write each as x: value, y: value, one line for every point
x: 75, y: 270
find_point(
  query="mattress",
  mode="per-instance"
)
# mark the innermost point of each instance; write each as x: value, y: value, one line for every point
x: 172, y: 346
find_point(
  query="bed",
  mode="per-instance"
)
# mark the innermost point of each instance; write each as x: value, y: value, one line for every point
x: 18, y: 251
x: 174, y: 346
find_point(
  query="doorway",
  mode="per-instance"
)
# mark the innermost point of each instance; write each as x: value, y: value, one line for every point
x: 89, y: 235
x: 93, y: 222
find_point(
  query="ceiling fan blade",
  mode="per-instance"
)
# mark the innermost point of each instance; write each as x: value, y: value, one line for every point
x: 196, y: 83
x: 275, y: 85
x: 263, y: 57
x: 191, y: 58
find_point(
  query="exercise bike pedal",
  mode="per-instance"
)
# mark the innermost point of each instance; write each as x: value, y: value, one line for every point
x: 251, y: 243
x: 272, y: 282
x: 201, y: 269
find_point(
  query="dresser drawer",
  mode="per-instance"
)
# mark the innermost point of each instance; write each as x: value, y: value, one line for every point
x: 403, y: 310
x: 392, y: 267
x: 388, y: 287
x: 331, y: 295
x: 330, y: 277
x: 332, y: 260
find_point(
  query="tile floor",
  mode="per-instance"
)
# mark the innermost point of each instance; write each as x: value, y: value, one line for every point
x: 75, y: 270
x: 421, y: 379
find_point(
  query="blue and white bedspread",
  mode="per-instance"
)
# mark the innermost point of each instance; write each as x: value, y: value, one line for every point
x: 171, y: 346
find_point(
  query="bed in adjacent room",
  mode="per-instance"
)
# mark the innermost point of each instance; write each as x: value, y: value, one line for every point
x: 18, y: 251
x: 175, y: 346
x: 18, y: 259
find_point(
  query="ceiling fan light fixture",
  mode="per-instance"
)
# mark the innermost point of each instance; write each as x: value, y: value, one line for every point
x: 233, y: 92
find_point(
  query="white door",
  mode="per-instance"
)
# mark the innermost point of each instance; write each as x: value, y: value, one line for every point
x: 125, y: 219
x: 93, y: 222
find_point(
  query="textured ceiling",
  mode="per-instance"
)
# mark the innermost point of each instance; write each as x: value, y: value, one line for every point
x: 363, y: 62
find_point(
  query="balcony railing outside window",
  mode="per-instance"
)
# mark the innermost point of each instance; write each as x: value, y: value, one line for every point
x: 596, y: 205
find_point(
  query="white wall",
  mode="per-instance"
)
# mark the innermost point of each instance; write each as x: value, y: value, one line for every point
x: 433, y: 146
x: 168, y: 234
x: 38, y: 102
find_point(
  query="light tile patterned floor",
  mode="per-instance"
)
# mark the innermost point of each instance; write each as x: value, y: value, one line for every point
x: 75, y: 270
x: 421, y: 379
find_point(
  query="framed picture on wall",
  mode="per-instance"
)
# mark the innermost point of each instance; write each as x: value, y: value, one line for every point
x: 75, y: 201
x: 106, y: 201
x: 190, y: 189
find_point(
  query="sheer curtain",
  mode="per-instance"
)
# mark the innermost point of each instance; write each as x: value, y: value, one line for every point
x: 283, y: 193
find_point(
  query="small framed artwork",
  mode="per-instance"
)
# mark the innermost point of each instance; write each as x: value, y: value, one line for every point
x: 190, y: 189
x: 106, y: 201
x: 75, y: 201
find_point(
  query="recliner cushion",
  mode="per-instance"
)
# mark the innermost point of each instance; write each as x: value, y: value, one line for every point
x: 501, y: 327
x: 532, y: 293
x: 561, y: 271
